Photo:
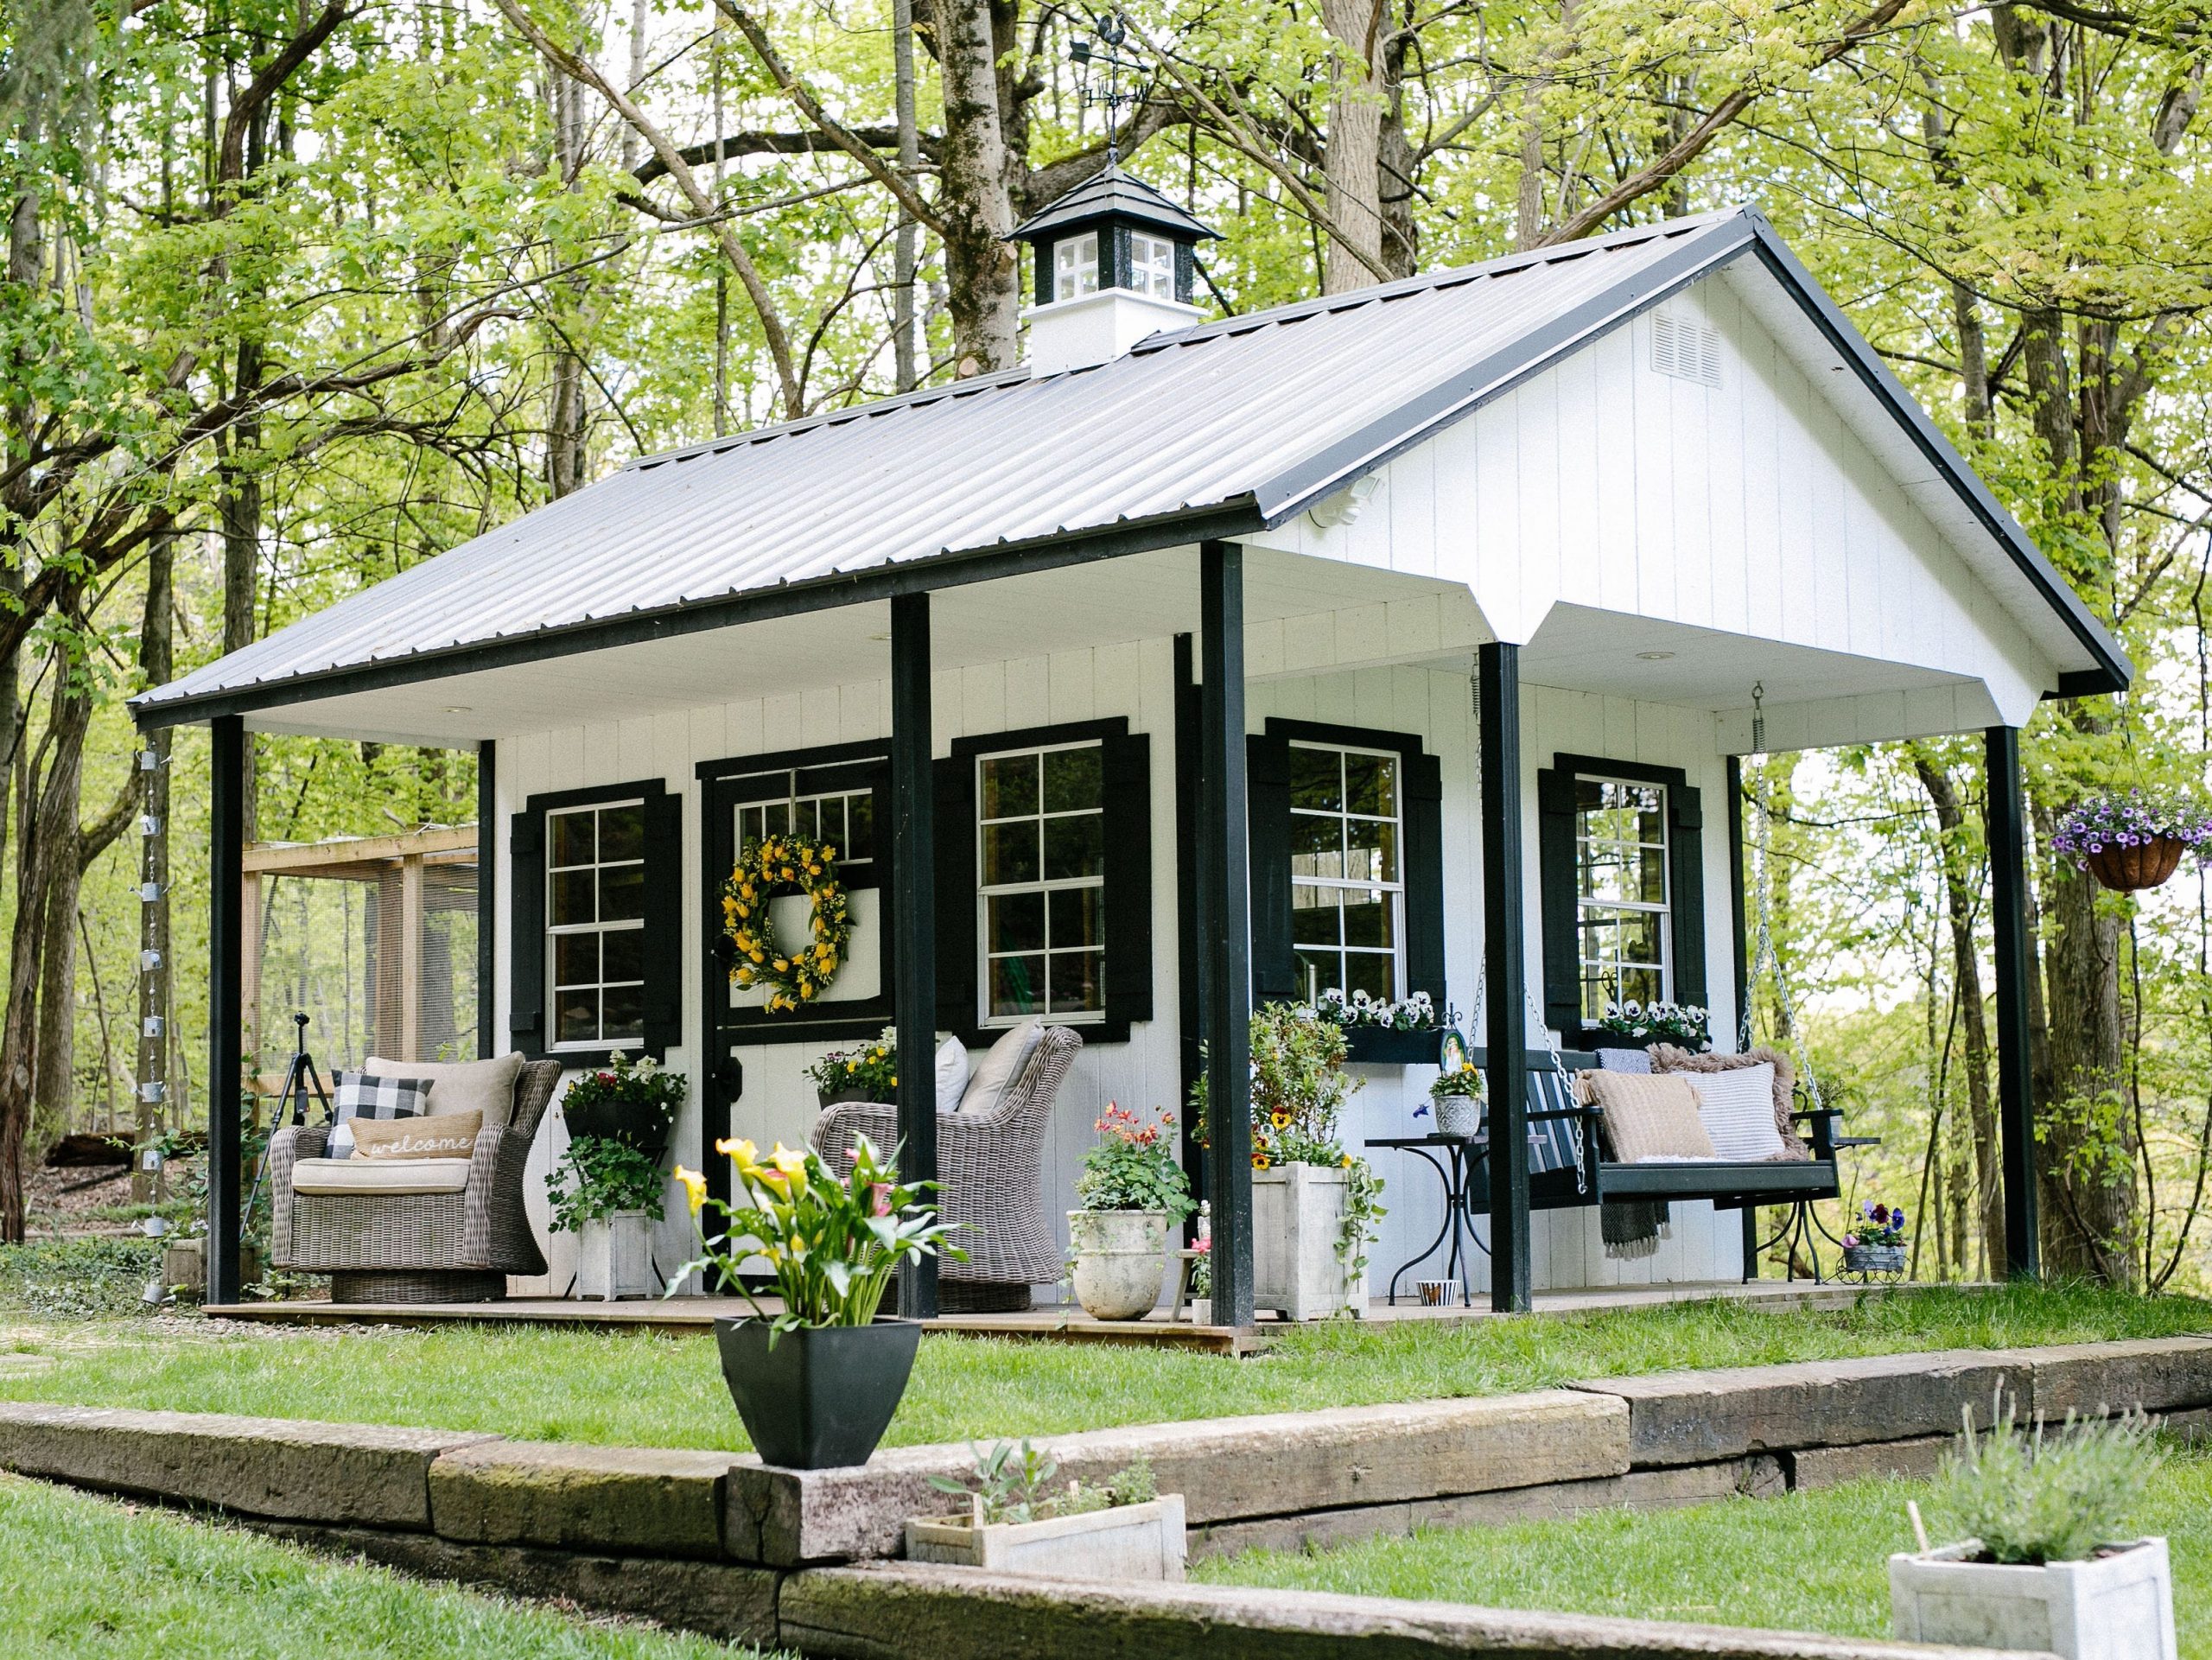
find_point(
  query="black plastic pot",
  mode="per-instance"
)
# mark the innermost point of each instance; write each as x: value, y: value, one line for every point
x: 819, y: 1397
x: 644, y: 1129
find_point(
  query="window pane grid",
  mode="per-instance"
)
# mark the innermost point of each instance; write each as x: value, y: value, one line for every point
x: 1622, y: 897
x: 1347, y: 894
x: 595, y: 908
x: 1040, y: 850
x: 844, y: 819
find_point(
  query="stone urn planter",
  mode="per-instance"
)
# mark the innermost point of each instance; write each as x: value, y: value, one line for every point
x: 2126, y: 869
x: 1121, y: 1261
x: 819, y: 1397
x: 1456, y: 1115
x: 1298, y: 1220
x: 2116, y: 1605
x: 1131, y: 1541
x: 614, y: 1257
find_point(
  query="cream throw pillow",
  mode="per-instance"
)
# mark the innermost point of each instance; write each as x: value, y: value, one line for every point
x: 952, y: 1074
x: 1738, y: 1109
x: 1649, y: 1117
x: 1003, y: 1064
x: 483, y: 1086
x: 441, y: 1135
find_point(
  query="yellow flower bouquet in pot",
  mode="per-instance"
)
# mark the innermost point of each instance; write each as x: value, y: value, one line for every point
x: 817, y: 1377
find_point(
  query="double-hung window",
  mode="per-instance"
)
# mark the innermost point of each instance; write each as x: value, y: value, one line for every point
x: 1621, y: 893
x: 1041, y: 882
x: 1346, y: 871
x: 595, y: 922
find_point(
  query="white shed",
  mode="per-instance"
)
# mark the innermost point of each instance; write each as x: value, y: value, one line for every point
x: 1599, y: 490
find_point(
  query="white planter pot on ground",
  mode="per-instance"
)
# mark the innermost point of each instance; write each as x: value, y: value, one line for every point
x: 614, y: 1257
x: 1136, y: 1542
x: 1298, y: 1221
x: 2119, y: 1606
x: 1121, y: 1261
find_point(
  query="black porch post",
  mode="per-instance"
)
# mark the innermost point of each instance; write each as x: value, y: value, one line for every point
x: 1741, y: 960
x: 1505, y: 964
x: 487, y: 892
x: 913, y: 920
x: 2008, y: 877
x: 1224, y: 927
x: 225, y: 998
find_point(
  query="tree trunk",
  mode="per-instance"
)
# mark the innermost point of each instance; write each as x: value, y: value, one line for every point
x: 1966, y: 965
x: 1351, y: 163
x: 567, y: 420
x: 1396, y: 162
x: 155, y: 656
x: 983, y: 289
x: 910, y: 155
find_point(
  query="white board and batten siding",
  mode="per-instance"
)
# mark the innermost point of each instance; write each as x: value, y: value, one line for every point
x: 1136, y: 681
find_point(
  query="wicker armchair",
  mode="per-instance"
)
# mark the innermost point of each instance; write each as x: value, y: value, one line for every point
x: 441, y: 1247
x: 991, y: 1179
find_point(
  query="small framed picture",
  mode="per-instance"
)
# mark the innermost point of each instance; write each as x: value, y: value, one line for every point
x: 1451, y: 1051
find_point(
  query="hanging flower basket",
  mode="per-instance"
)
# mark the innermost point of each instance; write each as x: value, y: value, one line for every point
x: 2133, y: 842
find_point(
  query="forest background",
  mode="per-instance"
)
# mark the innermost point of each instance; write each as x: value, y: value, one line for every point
x: 299, y: 292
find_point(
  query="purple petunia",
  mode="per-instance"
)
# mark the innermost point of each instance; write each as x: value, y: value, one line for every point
x: 2131, y: 820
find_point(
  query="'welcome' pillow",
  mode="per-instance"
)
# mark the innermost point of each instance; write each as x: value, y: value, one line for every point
x: 448, y: 1135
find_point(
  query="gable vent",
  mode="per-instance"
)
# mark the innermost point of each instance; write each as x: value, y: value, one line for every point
x: 1685, y: 348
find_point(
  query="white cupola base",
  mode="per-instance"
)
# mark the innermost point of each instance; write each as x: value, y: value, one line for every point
x: 1097, y: 327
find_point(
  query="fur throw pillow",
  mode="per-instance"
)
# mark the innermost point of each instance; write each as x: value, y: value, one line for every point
x: 1666, y: 1057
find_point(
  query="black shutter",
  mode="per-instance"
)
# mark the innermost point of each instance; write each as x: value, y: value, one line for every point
x: 526, y: 919
x: 1555, y: 866
x: 1267, y: 783
x: 957, y: 1005
x: 663, y: 923
x: 1128, y: 771
x: 1685, y: 871
x: 1424, y: 872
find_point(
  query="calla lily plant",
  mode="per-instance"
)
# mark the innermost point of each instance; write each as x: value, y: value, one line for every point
x: 832, y: 1242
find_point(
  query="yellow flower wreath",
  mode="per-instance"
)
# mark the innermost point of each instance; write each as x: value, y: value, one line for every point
x: 766, y: 865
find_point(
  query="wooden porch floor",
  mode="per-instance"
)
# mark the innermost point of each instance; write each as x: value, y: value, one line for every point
x: 1054, y: 1324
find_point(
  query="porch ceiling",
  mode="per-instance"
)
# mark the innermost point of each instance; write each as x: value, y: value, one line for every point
x: 1142, y: 597
x: 1616, y: 654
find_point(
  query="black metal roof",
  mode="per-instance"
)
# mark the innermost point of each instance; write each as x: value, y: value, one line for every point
x: 1112, y: 194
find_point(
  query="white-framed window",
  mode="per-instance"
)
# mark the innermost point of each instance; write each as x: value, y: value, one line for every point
x: 1151, y: 265
x: 1041, y: 883
x: 1347, y: 871
x: 596, y: 923
x: 1623, y: 921
x: 844, y: 819
x: 1075, y: 266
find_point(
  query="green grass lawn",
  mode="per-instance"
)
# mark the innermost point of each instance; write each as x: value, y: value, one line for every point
x: 1815, y: 1561
x: 89, y: 1576
x: 566, y: 1384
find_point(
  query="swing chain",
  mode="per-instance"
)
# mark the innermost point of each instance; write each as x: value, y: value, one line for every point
x: 1765, y: 956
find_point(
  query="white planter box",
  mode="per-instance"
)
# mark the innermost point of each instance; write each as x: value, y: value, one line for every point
x: 2115, y: 1608
x: 1298, y: 1216
x: 614, y: 1257
x: 1135, y: 1542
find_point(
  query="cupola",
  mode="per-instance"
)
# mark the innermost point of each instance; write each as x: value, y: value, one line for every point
x: 1113, y: 264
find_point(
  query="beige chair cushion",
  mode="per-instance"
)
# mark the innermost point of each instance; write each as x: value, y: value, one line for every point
x: 1648, y: 1117
x: 485, y: 1086
x: 441, y: 1135
x: 382, y: 1177
x: 1000, y: 1065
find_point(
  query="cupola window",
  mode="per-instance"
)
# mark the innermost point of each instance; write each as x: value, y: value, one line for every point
x: 1152, y: 266
x: 1075, y: 266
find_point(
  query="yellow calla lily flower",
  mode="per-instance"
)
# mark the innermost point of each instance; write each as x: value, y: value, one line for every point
x: 695, y: 1188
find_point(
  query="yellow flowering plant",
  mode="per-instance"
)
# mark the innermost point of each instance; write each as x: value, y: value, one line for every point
x: 832, y: 1243
x: 780, y: 864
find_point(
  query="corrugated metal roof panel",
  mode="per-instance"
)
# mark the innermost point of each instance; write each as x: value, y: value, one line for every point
x: 1245, y: 409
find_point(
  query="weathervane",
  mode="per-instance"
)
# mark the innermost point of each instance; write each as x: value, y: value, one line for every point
x: 1109, y: 31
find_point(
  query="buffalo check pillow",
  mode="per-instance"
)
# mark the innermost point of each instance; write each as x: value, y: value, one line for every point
x: 365, y: 1094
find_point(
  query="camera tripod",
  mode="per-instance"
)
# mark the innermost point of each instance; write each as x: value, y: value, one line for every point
x: 292, y: 1102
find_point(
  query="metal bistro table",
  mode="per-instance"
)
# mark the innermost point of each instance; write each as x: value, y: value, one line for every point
x: 1455, y: 1169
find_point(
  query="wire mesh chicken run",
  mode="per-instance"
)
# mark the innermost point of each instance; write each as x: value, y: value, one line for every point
x: 373, y: 938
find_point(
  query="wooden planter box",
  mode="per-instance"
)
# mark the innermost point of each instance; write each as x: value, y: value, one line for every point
x: 2119, y: 1606
x: 1135, y: 1542
x: 614, y: 1257
x: 1298, y: 1216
